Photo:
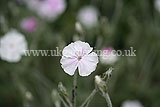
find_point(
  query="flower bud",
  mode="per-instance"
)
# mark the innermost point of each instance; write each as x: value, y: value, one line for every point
x: 28, y: 95
x: 98, y: 79
x: 78, y: 27
x: 100, y: 85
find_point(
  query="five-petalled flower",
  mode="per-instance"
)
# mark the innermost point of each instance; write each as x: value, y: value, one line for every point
x: 79, y: 55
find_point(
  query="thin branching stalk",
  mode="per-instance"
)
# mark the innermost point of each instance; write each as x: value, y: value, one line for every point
x: 108, y: 100
x: 74, y: 89
x: 89, y: 98
x: 64, y: 102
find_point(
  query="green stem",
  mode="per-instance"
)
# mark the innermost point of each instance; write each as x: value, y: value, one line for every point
x: 74, y: 89
x: 89, y: 98
x: 108, y: 100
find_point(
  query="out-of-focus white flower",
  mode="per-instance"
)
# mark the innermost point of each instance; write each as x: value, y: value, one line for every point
x: 79, y: 55
x: 130, y: 103
x: 12, y: 46
x: 88, y: 16
x: 29, y: 24
x: 108, y: 56
x: 157, y: 5
x: 48, y: 9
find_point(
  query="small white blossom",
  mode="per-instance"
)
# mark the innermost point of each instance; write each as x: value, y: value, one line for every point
x: 108, y: 56
x: 79, y: 55
x: 88, y: 16
x: 130, y: 103
x: 12, y: 46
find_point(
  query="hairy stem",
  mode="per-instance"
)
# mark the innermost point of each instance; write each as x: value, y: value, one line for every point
x: 74, y: 89
x: 89, y: 98
x: 108, y: 100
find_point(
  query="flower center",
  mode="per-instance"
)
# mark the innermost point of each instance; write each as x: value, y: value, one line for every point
x: 79, y: 58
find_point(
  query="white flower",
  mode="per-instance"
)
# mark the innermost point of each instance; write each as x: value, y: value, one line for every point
x: 79, y: 55
x: 157, y: 5
x: 48, y: 9
x: 88, y: 16
x: 130, y: 103
x: 12, y: 46
x: 108, y: 56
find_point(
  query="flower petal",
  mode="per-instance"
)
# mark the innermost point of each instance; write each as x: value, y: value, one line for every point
x: 69, y: 64
x: 77, y: 48
x: 83, y: 47
x: 88, y: 64
x: 9, y: 56
x: 69, y: 51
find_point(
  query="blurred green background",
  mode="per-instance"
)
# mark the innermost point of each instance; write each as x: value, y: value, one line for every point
x: 122, y: 24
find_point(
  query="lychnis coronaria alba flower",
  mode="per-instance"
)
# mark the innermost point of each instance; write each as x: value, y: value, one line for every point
x: 130, y: 103
x: 108, y: 56
x: 88, y: 16
x: 29, y: 24
x: 79, y: 55
x: 12, y: 46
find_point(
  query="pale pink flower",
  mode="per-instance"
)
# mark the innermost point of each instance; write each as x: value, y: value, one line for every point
x: 29, y: 24
x: 79, y: 55
x: 50, y: 9
x: 47, y: 9
x: 108, y: 56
